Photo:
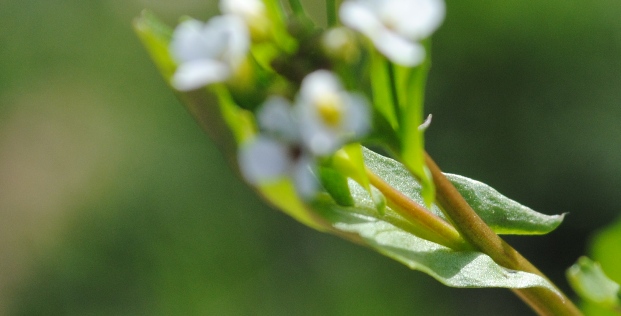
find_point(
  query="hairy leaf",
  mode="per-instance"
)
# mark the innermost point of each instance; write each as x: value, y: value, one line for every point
x: 502, y: 214
x: 390, y: 236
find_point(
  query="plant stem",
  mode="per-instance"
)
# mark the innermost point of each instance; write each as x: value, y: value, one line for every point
x: 297, y: 8
x: 394, y: 91
x: 428, y: 225
x: 476, y: 232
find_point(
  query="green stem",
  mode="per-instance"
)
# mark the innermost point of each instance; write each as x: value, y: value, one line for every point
x: 428, y: 225
x: 394, y: 90
x: 476, y: 232
x: 297, y: 8
x: 331, y: 12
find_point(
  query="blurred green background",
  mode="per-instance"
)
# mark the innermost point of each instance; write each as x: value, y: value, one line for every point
x: 114, y: 202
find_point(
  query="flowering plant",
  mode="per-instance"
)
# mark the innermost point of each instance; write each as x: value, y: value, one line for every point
x: 291, y: 104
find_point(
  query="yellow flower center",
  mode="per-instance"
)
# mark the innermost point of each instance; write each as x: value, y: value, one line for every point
x: 330, y: 109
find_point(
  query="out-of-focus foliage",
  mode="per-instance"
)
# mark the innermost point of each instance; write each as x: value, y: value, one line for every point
x: 589, y: 281
x: 605, y: 250
x: 112, y: 201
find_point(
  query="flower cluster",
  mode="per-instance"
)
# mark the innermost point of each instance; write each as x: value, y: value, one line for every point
x: 322, y: 119
x: 305, y: 114
x: 208, y: 53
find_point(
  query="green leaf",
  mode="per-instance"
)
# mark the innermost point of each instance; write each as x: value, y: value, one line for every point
x: 590, y: 282
x: 390, y: 236
x: 502, y: 214
x: 383, y: 96
x: 336, y: 184
x: 605, y: 250
x: 277, y: 18
x: 393, y: 236
x: 349, y: 160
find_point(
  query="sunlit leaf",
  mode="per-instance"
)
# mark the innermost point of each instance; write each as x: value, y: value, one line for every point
x: 502, y: 214
x: 393, y: 236
x: 390, y: 236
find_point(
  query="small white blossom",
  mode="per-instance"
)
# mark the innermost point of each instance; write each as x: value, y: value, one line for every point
x: 395, y: 26
x: 253, y: 12
x: 278, y: 152
x: 208, y: 52
x: 249, y: 10
x: 323, y: 118
x: 266, y: 160
x: 328, y: 115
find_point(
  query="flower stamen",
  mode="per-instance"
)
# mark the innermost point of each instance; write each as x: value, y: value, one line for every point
x: 330, y: 109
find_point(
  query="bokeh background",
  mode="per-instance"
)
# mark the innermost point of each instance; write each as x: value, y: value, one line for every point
x: 114, y: 202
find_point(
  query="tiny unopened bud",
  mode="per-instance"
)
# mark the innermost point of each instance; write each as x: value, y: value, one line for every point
x: 340, y: 43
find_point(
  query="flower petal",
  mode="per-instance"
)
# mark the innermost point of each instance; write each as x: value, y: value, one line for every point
x: 264, y: 159
x: 187, y: 41
x: 230, y: 37
x: 398, y: 49
x: 247, y: 9
x: 304, y: 180
x: 320, y: 140
x: 196, y: 74
x: 275, y: 117
x: 208, y: 53
x: 413, y: 19
x: 317, y: 84
x: 323, y: 136
x: 360, y: 17
x: 395, y: 26
x: 358, y: 116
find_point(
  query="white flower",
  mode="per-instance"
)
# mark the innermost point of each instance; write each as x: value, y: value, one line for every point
x: 322, y: 119
x: 278, y: 152
x: 208, y: 52
x: 253, y: 12
x: 266, y: 160
x: 249, y: 10
x: 395, y: 26
x: 328, y: 115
